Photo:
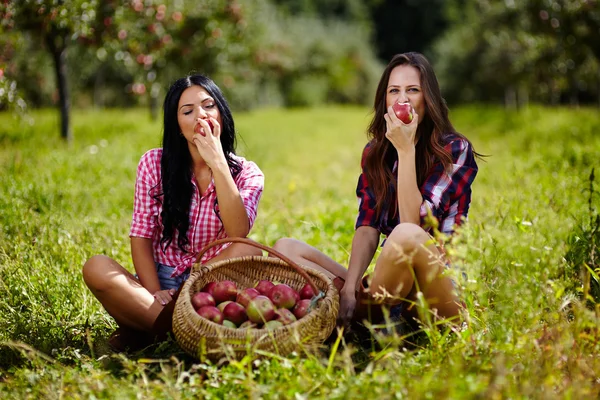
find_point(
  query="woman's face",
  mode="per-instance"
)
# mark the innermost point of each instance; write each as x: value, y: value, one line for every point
x: 194, y: 104
x: 404, y: 86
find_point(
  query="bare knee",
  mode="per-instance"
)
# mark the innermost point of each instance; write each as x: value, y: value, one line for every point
x: 95, y: 272
x: 289, y: 247
x: 408, y: 236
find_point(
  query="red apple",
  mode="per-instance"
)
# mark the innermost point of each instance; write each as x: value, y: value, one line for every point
x: 229, y: 324
x: 211, y: 313
x: 264, y: 287
x: 202, y: 299
x: 235, y: 312
x: 301, y: 309
x: 209, y: 287
x: 246, y: 295
x: 285, y: 316
x: 221, y: 306
x: 307, y: 292
x: 283, y: 296
x: 403, y: 111
x: 272, y: 325
x: 260, y: 309
x: 225, y: 290
x: 247, y: 325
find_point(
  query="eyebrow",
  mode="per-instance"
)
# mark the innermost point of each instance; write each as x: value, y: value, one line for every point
x: 389, y: 86
x: 191, y: 104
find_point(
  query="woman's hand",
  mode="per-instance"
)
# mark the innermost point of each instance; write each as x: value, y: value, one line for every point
x: 208, y: 143
x: 402, y: 136
x: 164, y: 296
x: 347, y: 306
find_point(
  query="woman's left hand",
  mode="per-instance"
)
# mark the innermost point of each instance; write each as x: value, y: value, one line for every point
x: 400, y: 134
x: 208, y: 143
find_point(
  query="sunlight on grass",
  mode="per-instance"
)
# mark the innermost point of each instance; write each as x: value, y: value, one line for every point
x: 529, y: 334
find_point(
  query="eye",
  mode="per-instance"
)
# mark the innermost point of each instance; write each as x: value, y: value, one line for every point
x: 414, y: 90
x: 209, y: 105
x: 393, y: 90
x: 188, y: 112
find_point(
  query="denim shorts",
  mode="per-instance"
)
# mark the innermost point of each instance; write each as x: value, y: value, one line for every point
x: 164, y: 277
x: 166, y: 281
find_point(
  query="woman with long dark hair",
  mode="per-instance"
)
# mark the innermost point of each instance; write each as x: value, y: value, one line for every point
x: 189, y: 193
x: 409, y: 170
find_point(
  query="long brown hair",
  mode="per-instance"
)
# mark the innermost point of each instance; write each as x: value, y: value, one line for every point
x: 433, y: 127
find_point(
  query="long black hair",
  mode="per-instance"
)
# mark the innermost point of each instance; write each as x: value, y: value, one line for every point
x: 176, y: 161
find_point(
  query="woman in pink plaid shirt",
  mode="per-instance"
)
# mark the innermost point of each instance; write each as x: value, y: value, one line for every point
x: 408, y: 171
x: 188, y: 193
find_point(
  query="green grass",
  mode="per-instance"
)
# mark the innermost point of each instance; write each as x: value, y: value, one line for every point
x: 529, y: 334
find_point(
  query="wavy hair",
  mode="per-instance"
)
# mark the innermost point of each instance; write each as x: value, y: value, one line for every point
x: 176, y: 161
x: 432, y: 131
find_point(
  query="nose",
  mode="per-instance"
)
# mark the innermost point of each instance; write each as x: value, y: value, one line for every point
x: 201, y: 113
x: 402, y: 98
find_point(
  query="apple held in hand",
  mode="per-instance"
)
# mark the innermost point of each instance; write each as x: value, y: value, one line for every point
x: 200, y: 130
x: 403, y: 111
x: 202, y: 299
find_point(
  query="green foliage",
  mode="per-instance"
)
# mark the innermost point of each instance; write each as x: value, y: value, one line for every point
x: 520, y: 51
x: 529, y: 334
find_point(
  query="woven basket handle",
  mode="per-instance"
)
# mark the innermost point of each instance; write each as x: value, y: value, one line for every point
x: 262, y: 247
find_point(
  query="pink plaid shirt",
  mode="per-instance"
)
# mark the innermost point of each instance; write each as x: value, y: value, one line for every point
x: 205, y: 226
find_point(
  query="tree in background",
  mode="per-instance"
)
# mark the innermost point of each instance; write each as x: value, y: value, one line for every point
x: 55, y: 23
x: 545, y: 50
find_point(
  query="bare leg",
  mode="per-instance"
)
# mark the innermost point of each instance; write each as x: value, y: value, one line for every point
x: 123, y: 296
x: 410, y: 249
x: 308, y: 256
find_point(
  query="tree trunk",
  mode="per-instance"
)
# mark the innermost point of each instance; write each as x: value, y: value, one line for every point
x: 510, y: 98
x: 59, y: 56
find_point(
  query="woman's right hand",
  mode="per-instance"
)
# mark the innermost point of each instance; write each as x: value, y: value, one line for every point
x: 164, y: 296
x: 347, y: 306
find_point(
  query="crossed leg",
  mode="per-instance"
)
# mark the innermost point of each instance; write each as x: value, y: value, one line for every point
x: 124, y: 297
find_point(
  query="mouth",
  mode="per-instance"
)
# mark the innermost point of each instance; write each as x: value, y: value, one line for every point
x: 198, y: 128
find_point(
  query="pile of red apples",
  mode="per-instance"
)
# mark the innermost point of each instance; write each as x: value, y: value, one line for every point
x: 268, y: 305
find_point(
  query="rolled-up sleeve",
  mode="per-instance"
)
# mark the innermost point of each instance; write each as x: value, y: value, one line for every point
x: 250, y: 183
x: 447, y: 192
x: 146, y: 205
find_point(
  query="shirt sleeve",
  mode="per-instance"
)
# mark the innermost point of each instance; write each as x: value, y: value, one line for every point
x: 447, y: 192
x: 366, y: 198
x: 146, y: 205
x: 250, y: 183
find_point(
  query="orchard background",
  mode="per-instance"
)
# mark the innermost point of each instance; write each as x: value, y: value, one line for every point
x: 523, y: 83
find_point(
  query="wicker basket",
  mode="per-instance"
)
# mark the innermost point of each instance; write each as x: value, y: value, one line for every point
x: 205, y: 339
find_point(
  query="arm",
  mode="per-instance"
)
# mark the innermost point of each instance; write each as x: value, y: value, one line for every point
x: 409, y: 195
x: 233, y: 213
x: 364, y: 245
x: 403, y: 138
x: 143, y: 261
x: 237, y: 200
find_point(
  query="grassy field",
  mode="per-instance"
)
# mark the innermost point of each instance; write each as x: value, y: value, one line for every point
x: 530, y: 230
